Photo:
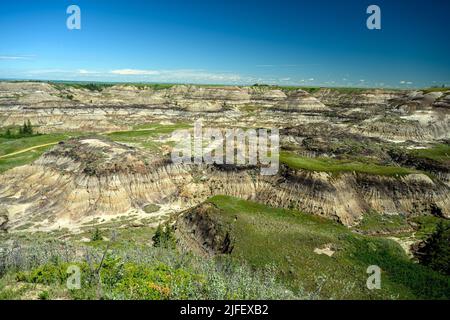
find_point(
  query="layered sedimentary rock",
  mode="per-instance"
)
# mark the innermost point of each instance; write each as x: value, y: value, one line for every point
x: 396, y: 115
x: 93, y: 177
x: 300, y: 100
x: 357, y: 97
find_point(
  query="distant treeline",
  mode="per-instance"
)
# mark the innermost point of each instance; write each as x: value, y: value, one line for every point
x: 25, y: 130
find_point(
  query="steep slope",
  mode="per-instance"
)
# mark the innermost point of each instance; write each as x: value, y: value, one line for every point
x: 308, y: 251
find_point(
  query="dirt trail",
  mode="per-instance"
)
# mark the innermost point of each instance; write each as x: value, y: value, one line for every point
x: 53, y: 143
x: 28, y: 149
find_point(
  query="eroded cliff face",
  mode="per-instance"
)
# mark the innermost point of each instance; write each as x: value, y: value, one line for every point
x: 85, y: 178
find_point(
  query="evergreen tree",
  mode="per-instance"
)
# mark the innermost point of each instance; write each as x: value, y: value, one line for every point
x: 96, y: 236
x: 169, y: 237
x: 435, y: 250
x: 29, y: 127
x: 157, y: 236
x: 164, y: 237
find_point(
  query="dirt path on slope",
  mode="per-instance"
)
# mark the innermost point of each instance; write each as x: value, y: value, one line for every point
x: 28, y: 149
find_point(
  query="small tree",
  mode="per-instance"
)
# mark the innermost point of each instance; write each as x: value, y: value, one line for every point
x: 29, y: 127
x: 97, y: 235
x: 8, y: 133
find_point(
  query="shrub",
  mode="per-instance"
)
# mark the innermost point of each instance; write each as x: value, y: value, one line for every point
x: 44, y: 295
x: 97, y: 235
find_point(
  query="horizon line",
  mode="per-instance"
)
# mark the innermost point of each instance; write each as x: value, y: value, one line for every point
x: 217, y: 84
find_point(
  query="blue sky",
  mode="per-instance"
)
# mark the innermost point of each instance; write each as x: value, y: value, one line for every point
x: 305, y: 43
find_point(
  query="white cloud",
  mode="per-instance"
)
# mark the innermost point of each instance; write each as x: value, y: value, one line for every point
x: 19, y: 57
x: 134, y: 72
x: 84, y: 71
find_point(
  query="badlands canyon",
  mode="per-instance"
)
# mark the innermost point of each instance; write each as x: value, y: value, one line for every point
x: 361, y: 170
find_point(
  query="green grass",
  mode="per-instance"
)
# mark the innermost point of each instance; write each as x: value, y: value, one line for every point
x: 11, y: 145
x: 91, y: 86
x: 374, y: 222
x: 163, y: 128
x: 439, y: 152
x: 21, y: 159
x: 99, y: 86
x: 336, y: 166
x: 428, y: 90
x: 8, y: 146
x: 145, y: 135
x: 427, y: 225
x: 153, y: 86
x: 143, y: 138
x: 287, y: 239
x: 150, y: 208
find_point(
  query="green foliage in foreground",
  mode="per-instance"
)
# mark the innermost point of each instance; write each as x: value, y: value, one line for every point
x: 336, y: 166
x: 288, y: 239
x: 140, y: 273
